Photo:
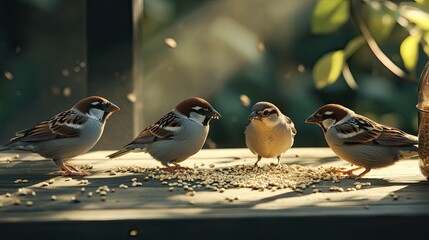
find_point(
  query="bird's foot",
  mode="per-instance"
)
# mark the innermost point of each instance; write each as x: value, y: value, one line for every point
x: 350, y: 173
x: 256, y: 163
x: 71, y: 173
x: 176, y: 167
x: 278, y: 165
x: 70, y: 170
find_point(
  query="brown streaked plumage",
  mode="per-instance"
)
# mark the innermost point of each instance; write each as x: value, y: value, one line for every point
x: 178, y: 135
x: 67, y: 134
x: 362, y: 141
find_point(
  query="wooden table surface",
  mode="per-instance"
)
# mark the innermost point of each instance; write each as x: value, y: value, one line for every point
x: 395, y: 204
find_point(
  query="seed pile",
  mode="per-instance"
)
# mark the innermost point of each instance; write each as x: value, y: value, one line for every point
x: 269, y: 177
x: 129, y: 169
x: 207, y: 178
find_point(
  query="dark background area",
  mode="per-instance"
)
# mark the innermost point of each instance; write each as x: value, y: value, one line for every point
x: 225, y: 49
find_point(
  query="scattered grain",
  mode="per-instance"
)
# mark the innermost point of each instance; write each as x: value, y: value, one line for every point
x: 18, y: 181
x: 22, y: 191
x: 83, y: 182
x: 133, y: 232
x: 191, y: 193
x: 76, y: 198
x: 53, y: 198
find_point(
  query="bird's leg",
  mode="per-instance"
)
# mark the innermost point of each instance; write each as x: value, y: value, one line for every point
x: 350, y: 172
x: 176, y: 167
x: 68, y: 169
x: 278, y: 161
x: 256, y: 163
x: 363, y: 173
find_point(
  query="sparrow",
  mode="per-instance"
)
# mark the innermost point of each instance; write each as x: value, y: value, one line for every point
x: 268, y: 133
x: 362, y: 141
x: 178, y: 135
x: 67, y: 134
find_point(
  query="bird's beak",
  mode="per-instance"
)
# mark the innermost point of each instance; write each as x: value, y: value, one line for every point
x: 112, y: 108
x: 254, y: 115
x: 215, y: 114
x: 312, y: 119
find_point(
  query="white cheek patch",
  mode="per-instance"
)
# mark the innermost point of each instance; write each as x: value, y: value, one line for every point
x: 272, y: 120
x: 327, y: 123
x: 345, y: 119
x: 197, y: 117
x: 95, y: 113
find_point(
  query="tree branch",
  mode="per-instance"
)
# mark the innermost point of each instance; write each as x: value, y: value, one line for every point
x: 379, y: 54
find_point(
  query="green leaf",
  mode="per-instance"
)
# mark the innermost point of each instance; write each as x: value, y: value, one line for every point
x: 426, y: 43
x: 353, y: 46
x: 381, y: 21
x: 416, y: 13
x: 423, y: 2
x: 329, y: 15
x: 410, y: 51
x: 328, y: 68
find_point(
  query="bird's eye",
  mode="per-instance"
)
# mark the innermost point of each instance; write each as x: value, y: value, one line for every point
x: 327, y: 115
x: 266, y: 113
x: 201, y: 111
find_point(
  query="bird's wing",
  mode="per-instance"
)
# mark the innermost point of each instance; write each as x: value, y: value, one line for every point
x: 396, y: 138
x: 163, y: 129
x: 358, y: 130
x: 63, y: 125
x: 289, y: 121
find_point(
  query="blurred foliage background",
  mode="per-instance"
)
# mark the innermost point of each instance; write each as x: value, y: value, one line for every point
x: 297, y: 54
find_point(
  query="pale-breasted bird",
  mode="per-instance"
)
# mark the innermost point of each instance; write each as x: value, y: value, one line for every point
x: 178, y: 135
x: 67, y: 134
x: 360, y: 140
x: 269, y: 133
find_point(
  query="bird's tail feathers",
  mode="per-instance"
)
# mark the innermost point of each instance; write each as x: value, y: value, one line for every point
x: 409, y: 153
x: 5, y: 147
x: 119, y: 153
